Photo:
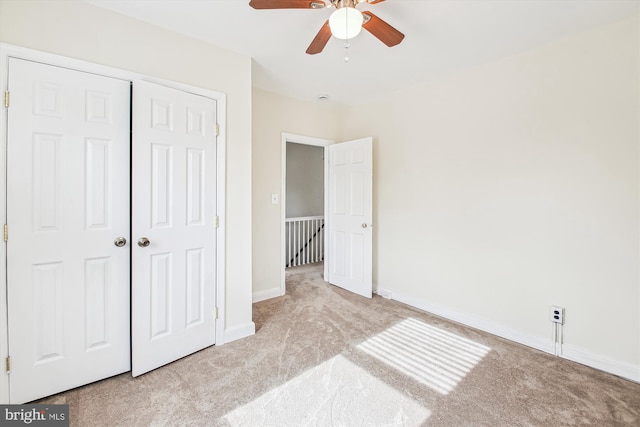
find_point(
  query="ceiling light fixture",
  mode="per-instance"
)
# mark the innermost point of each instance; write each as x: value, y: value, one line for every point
x: 346, y: 23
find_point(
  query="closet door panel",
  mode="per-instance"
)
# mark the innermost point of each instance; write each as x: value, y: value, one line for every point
x: 174, y: 225
x: 68, y: 186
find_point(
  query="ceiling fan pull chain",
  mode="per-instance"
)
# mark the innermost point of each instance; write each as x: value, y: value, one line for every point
x: 346, y: 41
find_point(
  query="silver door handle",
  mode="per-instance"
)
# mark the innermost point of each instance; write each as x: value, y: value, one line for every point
x: 120, y: 242
x: 143, y: 242
x: 364, y: 225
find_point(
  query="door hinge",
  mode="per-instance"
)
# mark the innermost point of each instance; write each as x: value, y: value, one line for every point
x: 217, y: 129
x: 6, y: 99
x: 8, y: 364
x: 216, y: 313
x: 6, y: 233
x: 217, y: 221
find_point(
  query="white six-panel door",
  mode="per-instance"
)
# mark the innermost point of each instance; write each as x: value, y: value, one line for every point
x: 349, y: 225
x: 67, y: 201
x: 174, y: 225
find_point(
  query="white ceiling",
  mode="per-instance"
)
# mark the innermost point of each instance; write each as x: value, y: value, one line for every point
x: 440, y: 36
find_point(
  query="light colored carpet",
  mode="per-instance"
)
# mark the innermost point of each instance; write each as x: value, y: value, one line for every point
x: 324, y: 357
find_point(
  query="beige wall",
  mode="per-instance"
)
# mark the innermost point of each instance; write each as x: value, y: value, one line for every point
x: 78, y: 30
x: 506, y: 188
x: 499, y: 191
x: 272, y: 115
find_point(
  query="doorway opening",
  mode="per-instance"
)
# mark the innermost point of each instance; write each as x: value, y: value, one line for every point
x: 304, y: 210
x: 304, y: 202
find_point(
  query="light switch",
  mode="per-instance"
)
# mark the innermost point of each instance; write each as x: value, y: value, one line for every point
x: 275, y: 199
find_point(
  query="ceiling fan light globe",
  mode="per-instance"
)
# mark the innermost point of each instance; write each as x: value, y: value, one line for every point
x: 346, y: 23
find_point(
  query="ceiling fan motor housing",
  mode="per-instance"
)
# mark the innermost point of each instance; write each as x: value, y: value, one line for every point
x: 338, y: 4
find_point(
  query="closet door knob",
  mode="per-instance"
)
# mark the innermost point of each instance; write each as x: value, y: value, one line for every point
x: 120, y: 242
x: 143, y: 242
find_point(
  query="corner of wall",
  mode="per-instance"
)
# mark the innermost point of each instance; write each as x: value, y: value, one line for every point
x: 266, y: 294
x: 238, y: 332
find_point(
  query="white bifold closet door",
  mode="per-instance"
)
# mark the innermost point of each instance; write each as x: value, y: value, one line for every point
x: 85, y: 300
x: 67, y: 202
x: 174, y: 224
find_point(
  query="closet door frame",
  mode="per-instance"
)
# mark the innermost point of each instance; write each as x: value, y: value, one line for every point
x: 10, y: 51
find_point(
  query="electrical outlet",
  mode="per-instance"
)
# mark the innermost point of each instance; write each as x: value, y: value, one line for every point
x: 557, y: 314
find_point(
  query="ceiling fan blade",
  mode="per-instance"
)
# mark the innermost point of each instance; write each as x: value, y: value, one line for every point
x: 287, y: 4
x: 380, y: 29
x: 374, y: 1
x: 321, y: 39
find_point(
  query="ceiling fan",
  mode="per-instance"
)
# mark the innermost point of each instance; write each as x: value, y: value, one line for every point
x: 344, y: 23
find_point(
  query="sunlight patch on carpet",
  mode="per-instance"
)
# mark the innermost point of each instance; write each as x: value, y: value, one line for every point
x: 336, y: 392
x: 431, y: 356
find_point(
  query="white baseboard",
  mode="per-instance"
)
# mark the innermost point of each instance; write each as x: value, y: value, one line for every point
x: 266, y: 294
x: 239, y: 331
x: 472, y: 321
x: 621, y: 369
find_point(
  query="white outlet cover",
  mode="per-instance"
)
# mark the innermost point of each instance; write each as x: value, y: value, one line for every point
x: 275, y: 199
x: 557, y: 314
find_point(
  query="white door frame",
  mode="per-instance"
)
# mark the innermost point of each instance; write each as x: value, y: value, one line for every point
x: 305, y: 140
x: 10, y: 51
